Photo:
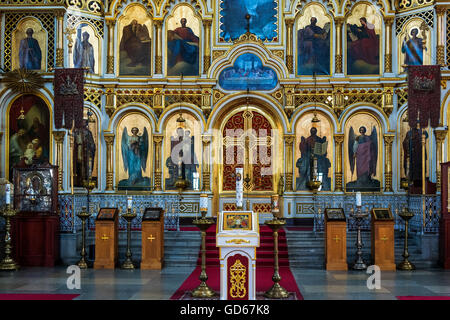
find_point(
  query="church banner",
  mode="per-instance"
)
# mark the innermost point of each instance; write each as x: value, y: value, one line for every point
x: 424, y: 95
x: 69, y: 98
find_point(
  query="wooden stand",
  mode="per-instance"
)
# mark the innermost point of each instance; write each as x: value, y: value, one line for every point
x: 106, y: 239
x: 153, y: 240
x: 383, y: 240
x: 335, y: 240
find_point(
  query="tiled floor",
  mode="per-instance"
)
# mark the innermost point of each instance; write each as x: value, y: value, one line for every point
x: 157, y: 285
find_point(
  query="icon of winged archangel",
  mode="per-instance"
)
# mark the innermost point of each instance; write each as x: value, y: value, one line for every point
x: 134, y: 155
x: 363, y: 154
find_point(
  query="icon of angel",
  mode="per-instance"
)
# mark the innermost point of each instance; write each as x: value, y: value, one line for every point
x: 134, y: 155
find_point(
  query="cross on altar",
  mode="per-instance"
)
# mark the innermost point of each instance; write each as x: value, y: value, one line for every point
x: 151, y: 238
x: 384, y: 238
x: 105, y: 237
x: 336, y: 238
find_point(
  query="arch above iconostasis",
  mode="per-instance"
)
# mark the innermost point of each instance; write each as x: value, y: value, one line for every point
x: 347, y: 6
x: 118, y: 7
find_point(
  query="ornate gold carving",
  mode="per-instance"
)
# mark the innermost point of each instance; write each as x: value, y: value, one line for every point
x: 59, y: 57
x: 237, y: 276
x: 110, y: 64
x: 338, y: 63
x: 388, y: 100
x: 206, y: 141
x: 278, y: 53
x: 278, y: 95
x: 388, y: 63
x: 388, y: 140
x: 218, y: 53
x: 440, y: 55
x: 389, y: 21
x: 237, y: 241
x: 206, y: 63
x: 406, y: 5
x: 206, y: 101
x: 157, y: 140
x: 59, y: 139
x: 158, y: 64
x: 217, y: 95
x: 289, y: 143
x: 290, y: 63
x: 339, y: 140
x: 109, y: 139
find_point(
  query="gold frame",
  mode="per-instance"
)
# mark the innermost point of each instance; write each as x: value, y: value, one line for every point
x: 237, y: 213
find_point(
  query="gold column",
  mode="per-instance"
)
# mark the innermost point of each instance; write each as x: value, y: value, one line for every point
x: 339, y: 140
x: 289, y: 45
x: 60, y: 37
x: 339, y: 21
x: 158, y: 45
x: 59, y: 139
x: 109, y: 139
x: 110, y: 105
x: 157, y: 141
x: 440, y: 135
x: 1, y: 143
x: 207, y: 53
x: 388, y: 22
x: 110, y: 55
x: 206, y: 168
x: 441, y: 35
x: 388, y: 140
x: 289, y: 151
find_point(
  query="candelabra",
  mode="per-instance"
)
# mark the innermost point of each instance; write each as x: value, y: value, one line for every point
x: 129, y: 216
x: 8, y: 262
x: 359, y: 216
x: 83, y: 215
x: 406, y: 215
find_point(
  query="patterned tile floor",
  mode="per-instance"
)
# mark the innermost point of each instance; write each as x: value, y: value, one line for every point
x: 160, y: 285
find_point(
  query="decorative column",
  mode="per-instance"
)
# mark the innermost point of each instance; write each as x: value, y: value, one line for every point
x: 1, y: 144
x: 207, y: 47
x: 388, y: 100
x: 289, y: 93
x: 110, y: 105
x: 110, y: 54
x: 289, y: 45
x: 158, y: 45
x: 206, y: 101
x: 339, y: 140
x: 60, y: 37
x: 388, y: 140
x: 109, y: 139
x: 289, y: 150
x: 440, y: 135
x: 206, y: 171
x: 388, y: 22
x: 441, y: 35
x: 157, y: 141
x: 59, y: 139
x: 339, y: 21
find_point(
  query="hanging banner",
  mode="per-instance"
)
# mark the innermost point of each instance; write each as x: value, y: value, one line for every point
x: 69, y: 98
x: 424, y: 95
x: 239, y: 187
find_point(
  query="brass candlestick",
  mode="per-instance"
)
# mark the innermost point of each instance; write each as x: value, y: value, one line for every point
x: 359, y: 216
x: 83, y: 215
x: 277, y: 291
x: 406, y: 215
x: 8, y: 263
x: 129, y: 216
x: 203, y: 291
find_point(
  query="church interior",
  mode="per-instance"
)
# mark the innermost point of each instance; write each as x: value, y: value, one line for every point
x: 224, y: 149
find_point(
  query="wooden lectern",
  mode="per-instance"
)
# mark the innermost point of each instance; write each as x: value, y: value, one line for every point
x: 335, y: 239
x: 106, y: 238
x: 152, y: 239
x: 383, y: 240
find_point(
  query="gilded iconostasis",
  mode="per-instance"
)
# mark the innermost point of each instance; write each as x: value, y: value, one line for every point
x: 319, y: 87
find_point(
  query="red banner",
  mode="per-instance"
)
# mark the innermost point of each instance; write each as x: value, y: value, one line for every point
x: 69, y: 98
x: 424, y: 95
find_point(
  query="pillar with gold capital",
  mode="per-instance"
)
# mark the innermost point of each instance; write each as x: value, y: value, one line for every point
x: 110, y: 105
x: 60, y: 37
x: 207, y: 46
x: 440, y: 135
x: 111, y: 23
x: 441, y: 35
x: 339, y: 140
x: 339, y: 21
x: 388, y: 140
x: 388, y: 22
x: 157, y: 141
x: 109, y: 139
x: 158, y: 45
x: 206, y: 168
x: 289, y: 45
x: 289, y: 171
x: 59, y: 139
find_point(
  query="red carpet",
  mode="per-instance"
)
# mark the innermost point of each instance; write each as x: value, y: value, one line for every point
x: 32, y: 296
x: 264, y: 265
x: 423, y: 298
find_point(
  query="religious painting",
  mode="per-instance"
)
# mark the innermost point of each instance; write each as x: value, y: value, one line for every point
x: 237, y: 221
x: 335, y: 214
x: 29, y: 132
x: 85, y: 50
x: 414, y: 44
x: 152, y: 214
x: 183, y: 42
x: 362, y: 153
x: 85, y: 152
x: 382, y: 214
x: 29, y: 45
x: 248, y: 72
x: 135, y: 30
x: 363, y: 40
x: 182, y: 151
x: 262, y: 19
x: 313, y: 42
x: 313, y: 151
x: 107, y: 213
x: 133, y: 153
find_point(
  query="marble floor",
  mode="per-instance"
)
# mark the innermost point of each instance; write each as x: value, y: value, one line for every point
x: 160, y: 285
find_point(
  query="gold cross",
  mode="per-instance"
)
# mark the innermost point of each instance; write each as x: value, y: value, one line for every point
x: 384, y: 238
x: 151, y: 238
x: 105, y: 237
x: 336, y: 238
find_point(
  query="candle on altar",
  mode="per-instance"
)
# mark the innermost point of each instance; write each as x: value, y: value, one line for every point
x: 8, y: 193
x: 358, y: 199
x: 130, y: 202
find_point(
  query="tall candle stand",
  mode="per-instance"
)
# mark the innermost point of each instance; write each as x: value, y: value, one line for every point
x: 359, y: 216
x: 129, y: 216
x: 406, y: 215
x: 8, y: 262
x: 203, y: 290
x: 83, y: 215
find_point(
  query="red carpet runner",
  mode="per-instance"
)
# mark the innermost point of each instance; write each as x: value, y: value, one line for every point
x: 33, y: 296
x: 264, y: 265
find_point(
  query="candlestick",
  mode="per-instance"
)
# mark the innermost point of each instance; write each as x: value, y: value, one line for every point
x: 8, y: 193
x: 358, y: 199
x: 130, y: 202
